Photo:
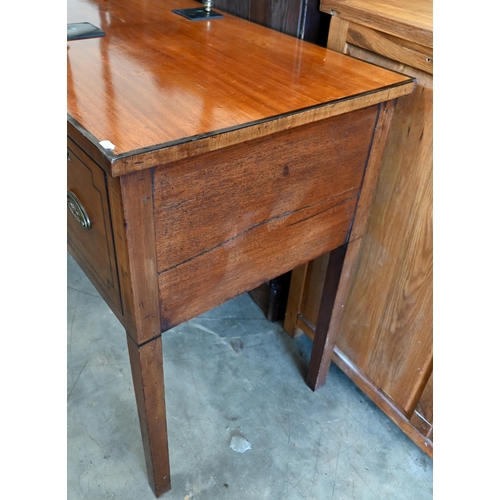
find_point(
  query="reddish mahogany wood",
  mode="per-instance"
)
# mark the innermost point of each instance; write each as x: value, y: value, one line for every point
x: 284, y: 192
x: 139, y: 232
x: 228, y: 170
x: 93, y: 249
x: 157, y: 78
x: 146, y: 362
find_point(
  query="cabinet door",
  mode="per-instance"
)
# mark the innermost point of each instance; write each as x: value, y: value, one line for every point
x: 387, y: 326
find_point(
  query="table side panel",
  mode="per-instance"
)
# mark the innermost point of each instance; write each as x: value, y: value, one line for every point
x: 297, y: 190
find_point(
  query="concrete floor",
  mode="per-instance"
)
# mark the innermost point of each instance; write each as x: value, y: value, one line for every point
x: 228, y: 373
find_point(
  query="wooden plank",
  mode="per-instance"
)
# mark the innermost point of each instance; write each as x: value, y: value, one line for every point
x: 380, y: 398
x: 241, y: 8
x: 337, y: 34
x: 424, y: 79
x: 282, y: 16
x: 299, y: 18
x: 241, y: 187
x: 407, y: 19
x: 249, y: 259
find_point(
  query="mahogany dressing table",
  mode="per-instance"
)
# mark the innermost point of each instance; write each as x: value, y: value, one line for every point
x: 205, y: 158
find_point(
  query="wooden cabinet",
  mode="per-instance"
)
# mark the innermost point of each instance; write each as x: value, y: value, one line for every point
x: 299, y: 18
x: 385, y: 331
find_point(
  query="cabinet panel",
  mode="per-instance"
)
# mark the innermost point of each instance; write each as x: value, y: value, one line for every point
x: 387, y: 326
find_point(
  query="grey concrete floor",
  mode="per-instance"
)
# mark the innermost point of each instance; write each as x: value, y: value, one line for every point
x: 228, y: 373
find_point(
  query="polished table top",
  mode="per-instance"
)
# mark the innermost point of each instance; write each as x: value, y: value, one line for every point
x: 158, y: 80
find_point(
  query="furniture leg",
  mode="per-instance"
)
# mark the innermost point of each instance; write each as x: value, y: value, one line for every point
x: 146, y: 362
x: 324, y: 337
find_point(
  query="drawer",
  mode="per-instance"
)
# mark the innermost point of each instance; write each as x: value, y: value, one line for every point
x: 397, y: 49
x: 90, y: 235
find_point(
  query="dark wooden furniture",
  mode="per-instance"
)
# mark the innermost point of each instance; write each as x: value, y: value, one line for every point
x: 384, y: 339
x: 299, y: 18
x: 205, y: 158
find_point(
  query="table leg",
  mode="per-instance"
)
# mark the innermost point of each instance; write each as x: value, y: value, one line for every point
x: 324, y: 336
x: 146, y: 362
x: 328, y: 319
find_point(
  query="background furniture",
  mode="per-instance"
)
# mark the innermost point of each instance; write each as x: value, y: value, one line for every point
x: 299, y: 18
x: 385, y: 335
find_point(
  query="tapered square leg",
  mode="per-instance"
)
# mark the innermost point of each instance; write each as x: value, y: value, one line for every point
x: 325, y: 336
x: 146, y: 362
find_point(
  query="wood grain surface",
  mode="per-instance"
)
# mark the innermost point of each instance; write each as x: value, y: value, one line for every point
x: 138, y: 221
x: 268, y: 195
x: 146, y: 363
x: 406, y: 19
x: 93, y: 249
x: 387, y: 325
x: 158, y: 80
x: 239, y: 153
x: 385, y: 333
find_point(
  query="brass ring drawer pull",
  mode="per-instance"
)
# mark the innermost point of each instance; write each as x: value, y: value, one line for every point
x: 78, y: 212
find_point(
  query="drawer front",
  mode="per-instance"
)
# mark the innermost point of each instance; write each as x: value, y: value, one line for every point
x: 397, y: 49
x: 90, y: 236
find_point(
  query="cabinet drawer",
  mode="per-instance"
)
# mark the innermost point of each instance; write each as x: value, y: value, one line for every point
x: 396, y: 49
x: 88, y: 205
